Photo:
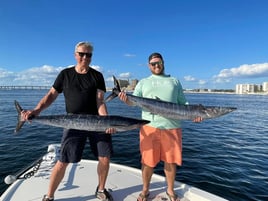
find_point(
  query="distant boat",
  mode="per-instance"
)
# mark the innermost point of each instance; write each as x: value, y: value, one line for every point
x: 80, y: 181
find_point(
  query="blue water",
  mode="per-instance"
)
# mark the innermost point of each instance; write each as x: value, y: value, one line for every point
x: 227, y: 156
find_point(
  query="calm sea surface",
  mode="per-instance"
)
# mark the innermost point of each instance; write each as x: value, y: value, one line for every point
x: 227, y: 156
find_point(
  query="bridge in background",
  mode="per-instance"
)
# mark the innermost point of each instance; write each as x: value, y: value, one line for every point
x: 24, y: 87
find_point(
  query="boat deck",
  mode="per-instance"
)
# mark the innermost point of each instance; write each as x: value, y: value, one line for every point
x: 80, y: 181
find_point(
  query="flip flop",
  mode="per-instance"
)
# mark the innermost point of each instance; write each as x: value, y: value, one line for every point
x: 173, y: 197
x: 143, y: 197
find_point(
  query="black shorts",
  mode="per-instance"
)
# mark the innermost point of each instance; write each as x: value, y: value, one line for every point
x: 73, y: 143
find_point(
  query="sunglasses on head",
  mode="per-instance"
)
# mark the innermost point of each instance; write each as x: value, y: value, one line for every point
x: 154, y: 63
x: 82, y: 54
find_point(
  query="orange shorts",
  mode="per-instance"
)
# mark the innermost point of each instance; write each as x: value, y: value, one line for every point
x: 160, y: 145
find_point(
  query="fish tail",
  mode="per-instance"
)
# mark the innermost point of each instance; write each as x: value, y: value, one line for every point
x: 116, y: 90
x: 20, y: 119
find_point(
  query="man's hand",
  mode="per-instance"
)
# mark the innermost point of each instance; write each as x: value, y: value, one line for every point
x: 27, y: 114
x: 110, y: 131
x: 197, y: 119
x: 123, y: 96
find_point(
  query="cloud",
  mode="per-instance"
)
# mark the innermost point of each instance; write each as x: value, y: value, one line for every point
x: 37, y: 76
x: 98, y: 68
x: 192, y: 79
x: 4, y: 73
x: 243, y: 71
x: 125, y: 75
x: 40, y: 76
x: 109, y: 79
x: 6, y: 77
x: 45, y: 75
x: 202, y: 82
x: 129, y: 55
x: 189, y: 78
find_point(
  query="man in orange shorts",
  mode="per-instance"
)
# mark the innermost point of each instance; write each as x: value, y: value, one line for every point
x: 161, y: 139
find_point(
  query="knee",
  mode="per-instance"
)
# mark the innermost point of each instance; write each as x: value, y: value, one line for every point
x: 104, y: 160
x: 170, y: 167
x: 60, y: 165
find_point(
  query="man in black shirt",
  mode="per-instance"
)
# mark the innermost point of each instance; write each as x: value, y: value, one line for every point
x: 83, y: 89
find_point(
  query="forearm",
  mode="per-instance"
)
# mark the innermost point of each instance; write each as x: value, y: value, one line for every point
x: 102, y: 109
x: 46, y: 101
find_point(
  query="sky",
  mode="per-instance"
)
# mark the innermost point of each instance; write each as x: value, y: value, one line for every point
x: 210, y: 44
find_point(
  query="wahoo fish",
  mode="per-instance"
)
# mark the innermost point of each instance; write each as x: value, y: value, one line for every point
x: 84, y: 121
x: 171, y: 110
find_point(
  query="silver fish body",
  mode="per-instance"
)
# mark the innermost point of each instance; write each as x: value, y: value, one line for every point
x: 180, y: 112
x: 84, y: 121
x: 172, y: 110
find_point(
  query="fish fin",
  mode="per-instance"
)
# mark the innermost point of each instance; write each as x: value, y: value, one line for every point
x: 116, y: 84
x: 201, y: 106
x: 110, y: 97
x: 157, y: 98
x: 116, y: 90
x: 20, y: 121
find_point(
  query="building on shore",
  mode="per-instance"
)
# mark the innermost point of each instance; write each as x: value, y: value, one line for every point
x: 265, y: 86
x: 251, y: 88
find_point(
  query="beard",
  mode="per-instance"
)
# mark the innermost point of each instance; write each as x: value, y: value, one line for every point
x: 162, y: 72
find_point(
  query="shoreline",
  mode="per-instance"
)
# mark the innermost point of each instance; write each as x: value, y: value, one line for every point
x: 215, y: 92
x: 109, y: 89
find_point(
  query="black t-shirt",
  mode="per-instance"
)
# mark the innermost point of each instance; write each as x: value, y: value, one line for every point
x: 80, y: 90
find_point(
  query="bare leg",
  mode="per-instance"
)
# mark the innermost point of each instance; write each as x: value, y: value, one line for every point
x: 147, y: 173
x: 103, y: 169
x: 170, y: 172
x: 56, y: 177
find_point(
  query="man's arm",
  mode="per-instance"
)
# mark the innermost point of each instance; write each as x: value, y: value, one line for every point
x: 102, y: 109
x: 44, y: 103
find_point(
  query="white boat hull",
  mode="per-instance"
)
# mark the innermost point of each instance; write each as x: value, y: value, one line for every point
x: 80, y: 181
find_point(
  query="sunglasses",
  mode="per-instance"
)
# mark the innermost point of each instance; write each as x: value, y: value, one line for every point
x: 82, y: 54
x: 154, y: 63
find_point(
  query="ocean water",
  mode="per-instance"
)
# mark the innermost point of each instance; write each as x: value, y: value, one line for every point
x: 227, y: 156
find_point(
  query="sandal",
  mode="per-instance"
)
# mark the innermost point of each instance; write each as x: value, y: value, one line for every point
x: 103, y: 195
x: 143, y: 197
x: 173, y: 197
x: 46, y: 198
